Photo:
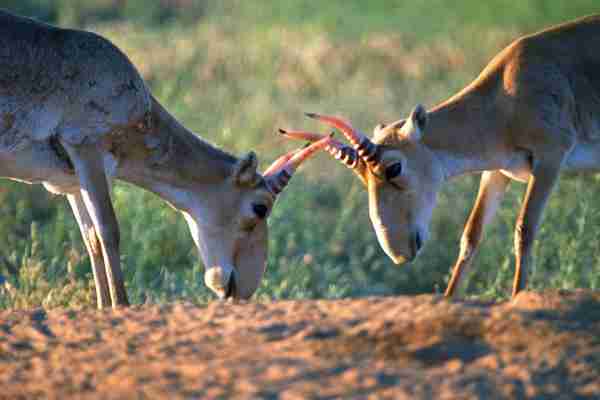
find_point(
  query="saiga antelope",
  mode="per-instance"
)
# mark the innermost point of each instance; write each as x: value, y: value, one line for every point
x: 75, y: 114
x: 533, y: 111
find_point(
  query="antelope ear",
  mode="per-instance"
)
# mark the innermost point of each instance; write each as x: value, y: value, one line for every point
x: 244, y: 171
x: 380, y: 130
x: 413, y: 129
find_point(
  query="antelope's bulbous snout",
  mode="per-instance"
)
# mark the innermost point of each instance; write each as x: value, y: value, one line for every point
x: 251, y: 261
x: 400, y: 246
x: 221, y: 280
x: 235, y: 261
x: 241, y: 278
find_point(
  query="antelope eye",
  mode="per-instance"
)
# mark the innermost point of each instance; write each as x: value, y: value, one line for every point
x: 260, y: 210
x: 393, y: 171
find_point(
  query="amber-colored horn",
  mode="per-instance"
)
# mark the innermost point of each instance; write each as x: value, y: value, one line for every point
x: 302, y: 135
x: 366, y: 149
x: 279, y: 162
x: 277, y: 178
x: 346, y: 154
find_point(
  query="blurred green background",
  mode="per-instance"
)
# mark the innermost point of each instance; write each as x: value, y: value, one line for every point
x: 233, y: 71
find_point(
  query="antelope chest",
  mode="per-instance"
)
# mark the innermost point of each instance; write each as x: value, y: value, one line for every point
x: 518, y: 166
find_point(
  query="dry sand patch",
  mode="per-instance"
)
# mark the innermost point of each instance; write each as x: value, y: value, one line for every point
x: 542, y: 345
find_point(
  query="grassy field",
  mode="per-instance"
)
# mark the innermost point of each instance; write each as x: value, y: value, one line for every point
x: 233, y: 72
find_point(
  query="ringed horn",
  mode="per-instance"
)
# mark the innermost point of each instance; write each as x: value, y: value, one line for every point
x: 278, y: 175
x: 364, y: 147
x: 346, y: 154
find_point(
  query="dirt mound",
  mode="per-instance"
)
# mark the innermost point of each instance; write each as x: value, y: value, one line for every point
x: 544, y: 345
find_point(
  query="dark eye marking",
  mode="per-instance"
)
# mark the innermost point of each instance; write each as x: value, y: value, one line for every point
x: 393, y: 171
x: 260, y: 210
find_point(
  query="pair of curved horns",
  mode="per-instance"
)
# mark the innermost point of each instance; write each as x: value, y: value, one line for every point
x: 362, y: 148
x: 279, y: 173
x: 346, y: 154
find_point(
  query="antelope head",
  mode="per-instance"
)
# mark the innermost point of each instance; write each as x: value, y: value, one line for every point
x: 230, y: 227
x: 400, y: 173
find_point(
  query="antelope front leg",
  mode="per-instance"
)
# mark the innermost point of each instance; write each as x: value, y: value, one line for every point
x: 92, y: 244
x: 491, y: 191
x: 95, y: 193
x: 543, y: 179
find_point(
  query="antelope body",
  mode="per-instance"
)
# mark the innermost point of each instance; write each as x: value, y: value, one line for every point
x: 75, y: 114
x: 533, y: 112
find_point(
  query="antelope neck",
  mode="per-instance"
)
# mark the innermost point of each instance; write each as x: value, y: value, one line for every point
x: 174, y: 160
x: 462, y: 133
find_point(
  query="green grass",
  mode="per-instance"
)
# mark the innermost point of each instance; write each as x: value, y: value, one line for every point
x: 233, y: 72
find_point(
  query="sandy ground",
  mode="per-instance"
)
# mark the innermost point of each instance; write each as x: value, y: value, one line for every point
x: 542, y: 345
